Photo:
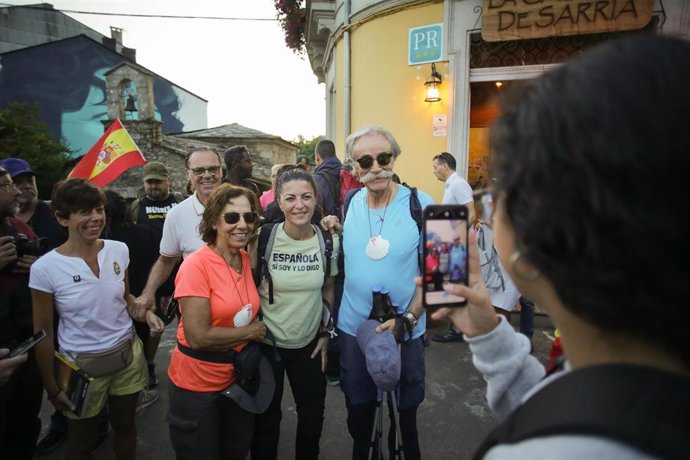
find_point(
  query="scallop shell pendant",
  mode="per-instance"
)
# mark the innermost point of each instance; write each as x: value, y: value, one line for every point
x: 243, y: 317
x: 377, y: 248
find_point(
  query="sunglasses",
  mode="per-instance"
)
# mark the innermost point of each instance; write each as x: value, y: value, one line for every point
x: 367, y: 161
x: 213, y: 170
x: 232, y: 218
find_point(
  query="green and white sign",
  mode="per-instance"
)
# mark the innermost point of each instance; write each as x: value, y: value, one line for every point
x: 425, y: 44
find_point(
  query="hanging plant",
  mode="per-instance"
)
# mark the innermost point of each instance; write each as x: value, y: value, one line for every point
x: 293, y: 19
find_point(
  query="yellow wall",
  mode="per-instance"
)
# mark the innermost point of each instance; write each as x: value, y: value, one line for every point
x: 387, y: 91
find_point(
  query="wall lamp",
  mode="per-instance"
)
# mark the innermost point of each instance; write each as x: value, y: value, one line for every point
x: 432, y: 84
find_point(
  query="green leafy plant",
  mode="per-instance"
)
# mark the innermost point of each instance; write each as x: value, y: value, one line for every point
x: 24, y: 135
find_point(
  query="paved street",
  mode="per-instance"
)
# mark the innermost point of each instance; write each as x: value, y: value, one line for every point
x: 452, y: 420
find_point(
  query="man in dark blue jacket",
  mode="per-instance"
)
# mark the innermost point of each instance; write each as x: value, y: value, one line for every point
x: 327, y: 177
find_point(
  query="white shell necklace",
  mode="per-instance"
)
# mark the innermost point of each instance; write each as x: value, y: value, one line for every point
x: 378, y: 247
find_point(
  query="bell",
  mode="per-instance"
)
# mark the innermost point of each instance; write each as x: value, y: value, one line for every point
x: 130, y: 107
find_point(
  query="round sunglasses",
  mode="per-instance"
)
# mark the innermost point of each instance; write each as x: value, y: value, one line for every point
x: 232, y: 218
x: 367, y: 161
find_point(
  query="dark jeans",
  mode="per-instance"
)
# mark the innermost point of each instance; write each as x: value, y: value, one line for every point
x: 361, y: 394
x: 526, y: 317
x: 309, y: 390
x: 208, y: 425
x: 20, y: 403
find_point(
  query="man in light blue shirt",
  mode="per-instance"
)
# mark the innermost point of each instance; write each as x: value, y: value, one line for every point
x: 381, y: 245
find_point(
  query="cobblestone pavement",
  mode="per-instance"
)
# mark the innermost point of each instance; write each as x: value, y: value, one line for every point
x: 452, y: 420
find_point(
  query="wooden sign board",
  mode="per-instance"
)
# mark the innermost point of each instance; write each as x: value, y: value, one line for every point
x: 522, y: 19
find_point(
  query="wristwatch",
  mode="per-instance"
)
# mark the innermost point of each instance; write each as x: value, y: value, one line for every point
x: 411, y: 317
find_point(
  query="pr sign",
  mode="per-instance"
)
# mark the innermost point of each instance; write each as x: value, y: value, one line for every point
x: 425, y: 44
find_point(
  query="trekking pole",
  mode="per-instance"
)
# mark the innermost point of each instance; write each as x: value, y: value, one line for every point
x: 377, y: 430
x: 399, y: 451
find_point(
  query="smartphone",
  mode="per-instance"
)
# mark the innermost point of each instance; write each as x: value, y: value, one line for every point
x: 28, y: 344
x: 445, y: 254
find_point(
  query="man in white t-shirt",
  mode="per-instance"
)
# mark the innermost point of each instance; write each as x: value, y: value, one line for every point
x: 457, y: 191
x: 181, y: 228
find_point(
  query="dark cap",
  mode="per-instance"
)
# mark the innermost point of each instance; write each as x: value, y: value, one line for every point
x: 381, y: 354
x: 16, y: 167
x: 256, y: 401
x: 155, y: 170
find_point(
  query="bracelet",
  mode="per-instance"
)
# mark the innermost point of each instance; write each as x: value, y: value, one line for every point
x: 411, y: 317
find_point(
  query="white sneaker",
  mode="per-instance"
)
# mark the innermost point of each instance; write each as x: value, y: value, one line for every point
x: 146, y: 398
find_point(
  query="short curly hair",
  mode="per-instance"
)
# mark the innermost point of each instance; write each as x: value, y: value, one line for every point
x: 74, y: 195
x: 216, y: 204
x: 592, y: 161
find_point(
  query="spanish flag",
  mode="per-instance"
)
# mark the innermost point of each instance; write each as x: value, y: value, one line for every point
x: 114, y: 153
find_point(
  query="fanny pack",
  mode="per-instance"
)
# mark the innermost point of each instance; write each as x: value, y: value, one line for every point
x: 106, y: 362
x: 254, y: 381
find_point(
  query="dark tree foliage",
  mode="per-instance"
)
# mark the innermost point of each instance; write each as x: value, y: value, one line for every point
x: 24, y: 135
x: 306, y: 147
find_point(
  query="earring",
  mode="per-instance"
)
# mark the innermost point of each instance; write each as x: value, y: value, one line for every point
x: 528, y: 277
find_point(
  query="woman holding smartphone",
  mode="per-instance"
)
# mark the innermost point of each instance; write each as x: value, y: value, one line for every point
x: 295, y: 316
x: 85, y: 280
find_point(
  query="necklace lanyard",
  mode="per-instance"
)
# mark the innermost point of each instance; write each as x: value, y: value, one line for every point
x: 232, y: 278
x: 383, y: 217
x: 377, y: 248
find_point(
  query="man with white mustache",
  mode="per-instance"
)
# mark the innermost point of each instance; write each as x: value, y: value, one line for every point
x: 181, y: 228
x: 381, y: 243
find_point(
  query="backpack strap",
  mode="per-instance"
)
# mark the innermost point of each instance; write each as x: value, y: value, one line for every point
x: 347, y: 199
x: 415, y: 207
x: 417, y: 216
x: 267, y: 236
x: 326, y: 246
x: 134, y: 210
x: 645, y: 408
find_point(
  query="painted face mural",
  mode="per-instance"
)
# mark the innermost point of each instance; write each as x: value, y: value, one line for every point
x: 67, y: 79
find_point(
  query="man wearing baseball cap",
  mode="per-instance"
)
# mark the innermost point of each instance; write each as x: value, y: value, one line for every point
x: 32, y: 211
x: 151, y: 211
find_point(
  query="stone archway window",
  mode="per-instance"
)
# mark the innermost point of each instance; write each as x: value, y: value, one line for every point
x: 128, y: 100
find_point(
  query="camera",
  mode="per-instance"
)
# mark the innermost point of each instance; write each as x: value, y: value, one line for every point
x: 27, y: 247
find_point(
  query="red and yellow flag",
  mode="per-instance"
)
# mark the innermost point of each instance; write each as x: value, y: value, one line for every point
x: 114, y: 153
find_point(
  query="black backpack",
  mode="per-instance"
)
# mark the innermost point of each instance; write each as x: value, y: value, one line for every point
x: 267, y: 236
x: 641, y: 407
x: 334, y: 186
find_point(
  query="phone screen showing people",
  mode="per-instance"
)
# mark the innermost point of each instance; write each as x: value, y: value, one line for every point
x: 445, y: 254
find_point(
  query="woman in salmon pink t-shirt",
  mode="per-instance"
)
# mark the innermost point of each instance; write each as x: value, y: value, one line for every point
x: 218, y: 303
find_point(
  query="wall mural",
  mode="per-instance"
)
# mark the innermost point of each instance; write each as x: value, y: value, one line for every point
x: 66, y: 78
